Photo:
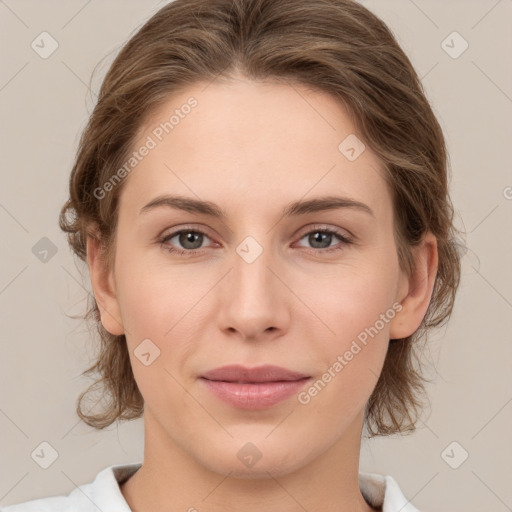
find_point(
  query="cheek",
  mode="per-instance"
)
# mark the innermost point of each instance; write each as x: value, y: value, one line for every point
x: 152, y: 296
x: 352, y: 300
x: 351, y: 354
x: 164, y: 304
x: 146, y: 306
x: 355, y: 315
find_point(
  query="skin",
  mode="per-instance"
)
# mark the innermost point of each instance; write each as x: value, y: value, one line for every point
x: 252, y: 148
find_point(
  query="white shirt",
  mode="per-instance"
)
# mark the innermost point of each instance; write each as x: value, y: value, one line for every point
x: 104, y: 495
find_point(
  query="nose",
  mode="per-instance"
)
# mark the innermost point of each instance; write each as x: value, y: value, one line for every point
x: 253, y: 298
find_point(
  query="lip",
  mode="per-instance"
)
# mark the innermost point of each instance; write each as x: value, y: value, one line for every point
x: 253, y: 388
x: 265, y: 373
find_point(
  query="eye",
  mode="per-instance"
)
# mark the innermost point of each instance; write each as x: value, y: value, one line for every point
x: 190, y: 239
x: 321, y: 238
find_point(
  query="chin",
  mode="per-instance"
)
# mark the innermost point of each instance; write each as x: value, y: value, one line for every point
x: 261, y: 470
x: 258, y: 460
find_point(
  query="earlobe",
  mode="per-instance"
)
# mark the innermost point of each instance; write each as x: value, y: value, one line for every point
x: 415, y: 291
x: 103, y: 284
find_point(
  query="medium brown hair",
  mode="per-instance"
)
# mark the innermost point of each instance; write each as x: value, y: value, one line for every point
x: 333, y: 46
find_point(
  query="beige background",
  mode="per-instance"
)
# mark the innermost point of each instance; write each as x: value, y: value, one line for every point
x: 44, y: 106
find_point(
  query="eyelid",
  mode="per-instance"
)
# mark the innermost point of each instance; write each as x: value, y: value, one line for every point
x: 185, y: 227
x: 326, y: 227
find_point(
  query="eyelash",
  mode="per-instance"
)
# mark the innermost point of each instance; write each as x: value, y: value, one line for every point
x: 181, y: 252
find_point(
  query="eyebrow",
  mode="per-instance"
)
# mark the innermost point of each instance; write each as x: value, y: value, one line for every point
x: 295, y: 208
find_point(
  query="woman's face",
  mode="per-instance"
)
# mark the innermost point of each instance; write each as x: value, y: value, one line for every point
x: 264, y: 284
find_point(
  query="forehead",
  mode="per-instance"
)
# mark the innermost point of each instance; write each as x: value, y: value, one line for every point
x: 248, y: 143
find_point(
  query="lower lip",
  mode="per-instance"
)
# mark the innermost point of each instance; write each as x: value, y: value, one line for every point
x: 256, y: 395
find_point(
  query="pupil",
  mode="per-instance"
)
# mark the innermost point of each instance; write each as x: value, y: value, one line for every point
x: 319, y: 236
x: 189, y: 237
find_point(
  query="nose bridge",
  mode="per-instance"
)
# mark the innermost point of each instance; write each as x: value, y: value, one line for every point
x: 253, y: 296
x: 252, y: 279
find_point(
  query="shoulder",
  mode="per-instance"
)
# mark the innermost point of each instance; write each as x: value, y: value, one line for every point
x: 51, y: 504
x: 384, y: 491
x: 101, y: 494
x: 75, y: 501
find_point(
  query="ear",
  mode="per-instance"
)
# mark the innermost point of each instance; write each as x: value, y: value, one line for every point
x: 415, y: 291
x: 103, y: 284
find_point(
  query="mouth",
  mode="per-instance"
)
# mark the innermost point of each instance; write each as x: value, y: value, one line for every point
x: 253, y: 388
x: 241, y: 374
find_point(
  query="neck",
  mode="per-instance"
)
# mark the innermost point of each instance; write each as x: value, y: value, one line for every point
x: 172, y: 479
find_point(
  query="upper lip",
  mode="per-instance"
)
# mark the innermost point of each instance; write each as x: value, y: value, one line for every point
x: 265, y: 373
